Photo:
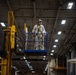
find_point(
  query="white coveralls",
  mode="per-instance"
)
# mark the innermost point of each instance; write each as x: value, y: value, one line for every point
x: 39, y: 32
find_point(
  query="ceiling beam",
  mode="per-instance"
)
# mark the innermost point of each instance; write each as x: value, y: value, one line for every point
x: 68, y: 36
x: 51, y: 37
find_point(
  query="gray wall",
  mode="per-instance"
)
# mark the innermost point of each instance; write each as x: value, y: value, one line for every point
x: 71, y: 67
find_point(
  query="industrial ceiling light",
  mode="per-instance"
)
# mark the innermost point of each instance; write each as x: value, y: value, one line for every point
x: 29, y: 62
x: 20, y: 50
x: 17, y: 45
x: 26, y: 61
x: 70, y: 5
x: 54, y: 46
x: 56, y: 40
x: 63, y: 21
x: 52, y: 51
x: 51, y: 54
x: 30, y: 67
x: 24, y: 57
x: 33, y: 71
x: 46, y: 67
x: 2, y: 24
x: 44, y: 56
x: 15, y: 67
x: 59, y: 32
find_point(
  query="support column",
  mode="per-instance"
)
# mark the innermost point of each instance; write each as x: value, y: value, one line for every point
x: 52, y: 66
x: 68, y: 64
x: 48, y: 69
x: 72, y: 65
x: 75, y: 56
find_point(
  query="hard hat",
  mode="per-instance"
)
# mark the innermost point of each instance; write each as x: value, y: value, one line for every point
x: 39, y: 20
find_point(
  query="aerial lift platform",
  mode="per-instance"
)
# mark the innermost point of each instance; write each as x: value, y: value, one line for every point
x: 29, y: 44
x: 10, y: 44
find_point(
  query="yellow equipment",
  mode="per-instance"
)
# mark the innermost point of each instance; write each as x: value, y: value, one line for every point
x: 6, y: 63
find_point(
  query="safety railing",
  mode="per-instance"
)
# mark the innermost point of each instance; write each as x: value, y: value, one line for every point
x: 36, y: 41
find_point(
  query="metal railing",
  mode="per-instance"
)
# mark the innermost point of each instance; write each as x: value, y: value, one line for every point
x: 30, y: 40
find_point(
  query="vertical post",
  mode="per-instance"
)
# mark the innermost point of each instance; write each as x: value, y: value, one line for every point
x: 68, y: 64
x: 46, y: 41
x: 72, y: 65
x: 56, y: 66
x: 9, y: 52
x: 48, y: 69
x: 25, y: 36
x: 10, y: 18
x: 10, y: 41
x: 34, y: 4
x: 6, y: 63
x: 3, y: 66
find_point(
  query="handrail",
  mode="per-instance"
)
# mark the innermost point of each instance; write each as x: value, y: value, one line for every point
x: 30, y: 40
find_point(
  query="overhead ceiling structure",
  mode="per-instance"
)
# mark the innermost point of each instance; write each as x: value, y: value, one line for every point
x: 59, y: 19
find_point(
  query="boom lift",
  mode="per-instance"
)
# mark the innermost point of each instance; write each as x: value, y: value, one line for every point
x: 6, y: 62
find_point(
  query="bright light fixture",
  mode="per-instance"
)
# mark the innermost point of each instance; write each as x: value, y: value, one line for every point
x: 30, y: 67
x: 26, y: 61
x: 54, y: 46
x: 52, y: 51
x: 2, y: 24
x: 24, y: 57
x: 20, y: 50
x: 70, y: 4
x: 15, y: 67
x: 46, y: 67
x: 17, y: 45
x: 29, y: 62
x: 56, y: 40
x: 51, y: 54
x: 44, y: 56
x: 59, y: 32
x: 63, y: 21
x: 33, y: 71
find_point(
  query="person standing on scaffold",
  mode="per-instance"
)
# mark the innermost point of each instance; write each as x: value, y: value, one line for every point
x: 39, y: 34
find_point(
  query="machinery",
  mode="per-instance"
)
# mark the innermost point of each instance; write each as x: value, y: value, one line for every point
x: 9, y: 45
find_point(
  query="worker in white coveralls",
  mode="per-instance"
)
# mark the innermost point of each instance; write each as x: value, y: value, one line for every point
x: 39, y: 33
